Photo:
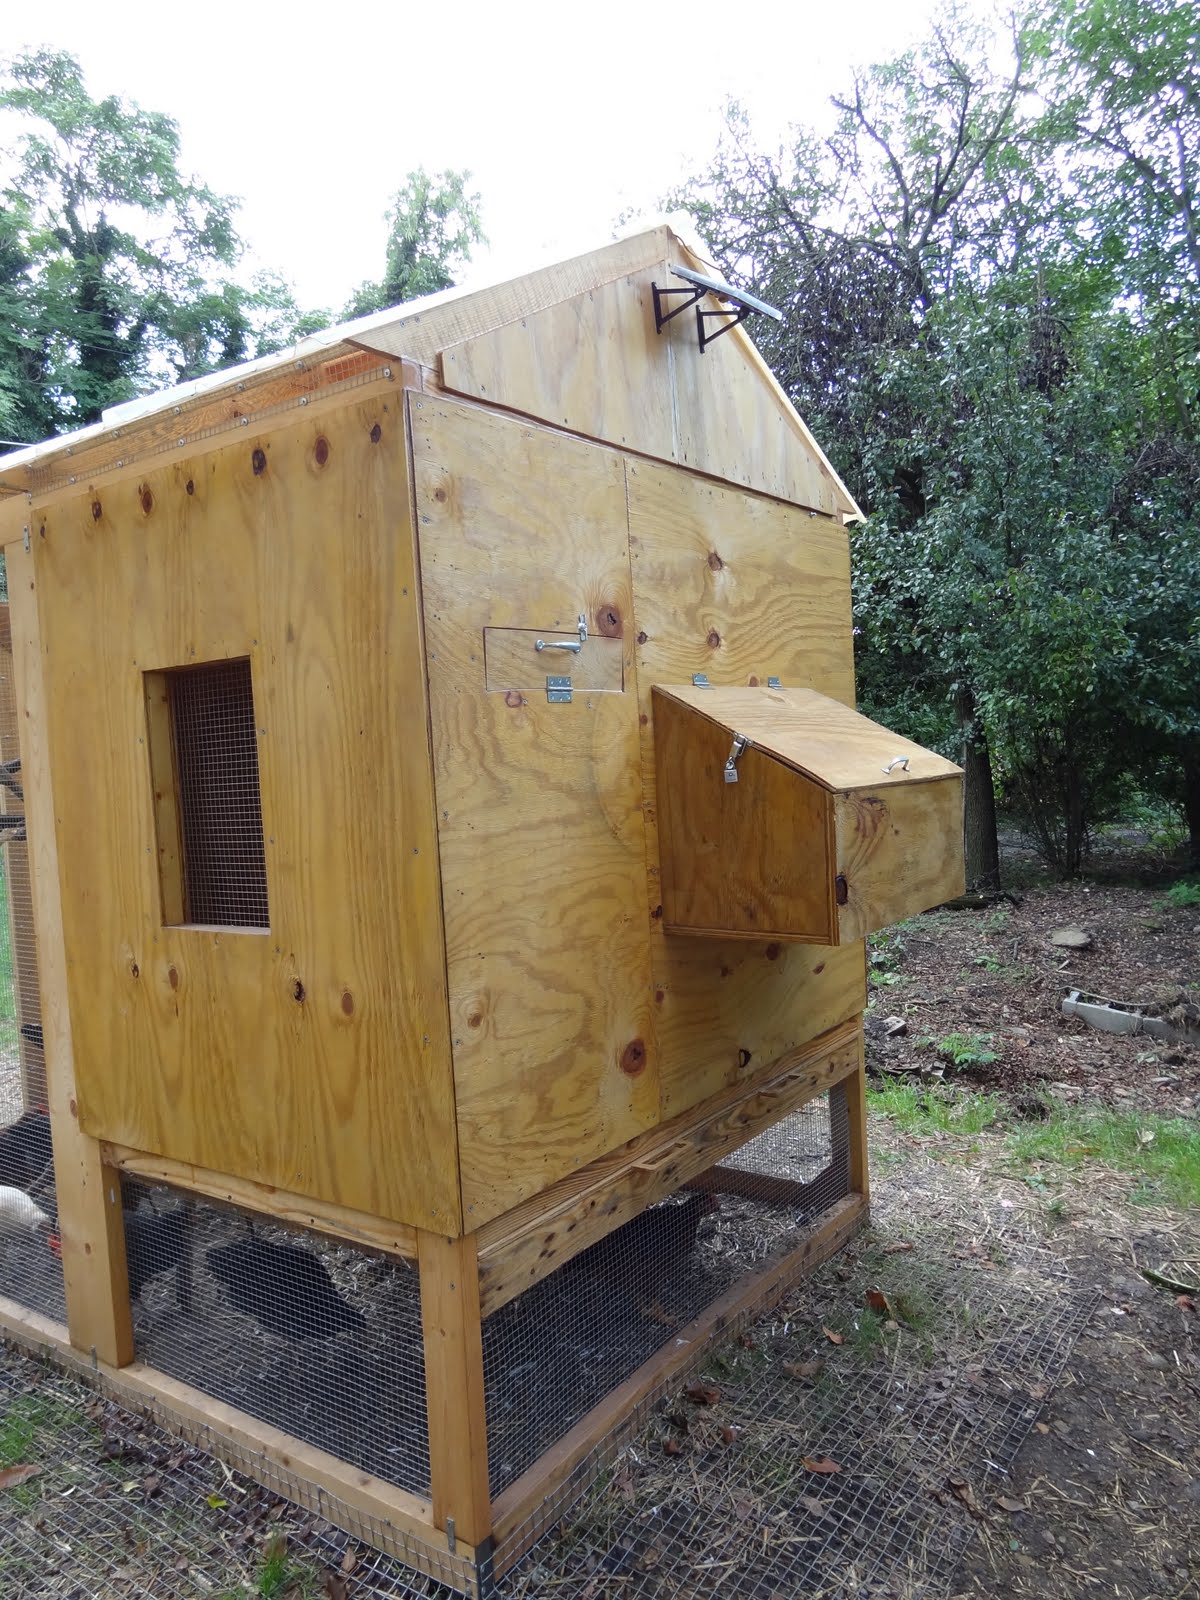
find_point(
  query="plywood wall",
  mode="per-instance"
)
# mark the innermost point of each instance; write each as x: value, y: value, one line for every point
x: 595, y: 364
x: 576, y: 1022
x: 315, y: 1055
x: 539, y: 805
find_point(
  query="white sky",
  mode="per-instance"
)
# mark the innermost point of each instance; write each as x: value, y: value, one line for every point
x: 565, y: 115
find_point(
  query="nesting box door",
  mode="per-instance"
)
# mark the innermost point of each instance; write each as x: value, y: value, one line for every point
x: 784, y: 814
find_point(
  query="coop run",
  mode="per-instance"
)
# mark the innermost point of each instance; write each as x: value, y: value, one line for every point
x: 449, y: 880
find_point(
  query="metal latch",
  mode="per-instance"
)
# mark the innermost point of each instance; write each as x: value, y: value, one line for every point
x: 566, y: 644
x: 558, y: 691
x: 774, y: 683
x: 731, y: 760
x: 700, y: 680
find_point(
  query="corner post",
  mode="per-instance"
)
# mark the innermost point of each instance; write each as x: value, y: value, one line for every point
x: 856, y: 1113
x: 90, y: 1217
x: 457, y: 1418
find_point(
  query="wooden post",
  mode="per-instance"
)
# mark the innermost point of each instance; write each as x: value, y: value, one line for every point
x: 450, y: 1318
x: 856, y: 1111
x: 90, y: 1219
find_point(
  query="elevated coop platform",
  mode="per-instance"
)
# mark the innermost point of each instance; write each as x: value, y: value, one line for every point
x: 451, y: 845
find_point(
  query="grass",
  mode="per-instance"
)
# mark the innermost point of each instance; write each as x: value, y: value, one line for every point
x: 929, y: 1110
x: 961, y: 1049
x: 1162, y: 1152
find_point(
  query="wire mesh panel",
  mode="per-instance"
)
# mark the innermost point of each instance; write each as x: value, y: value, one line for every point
x: 315, y: 1337
x: 30, y: 1271
x: 556, y: 1350
x: 215, y: 742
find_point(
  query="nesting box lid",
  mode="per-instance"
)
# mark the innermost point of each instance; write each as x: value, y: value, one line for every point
x: 834, y: 745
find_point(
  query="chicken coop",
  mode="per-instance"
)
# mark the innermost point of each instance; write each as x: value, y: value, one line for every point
x: 439, y: 845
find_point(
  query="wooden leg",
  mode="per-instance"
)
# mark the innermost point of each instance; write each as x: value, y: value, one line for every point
x: 856, y: 1107
x: 89, y: 1195
x: 451, y: 1322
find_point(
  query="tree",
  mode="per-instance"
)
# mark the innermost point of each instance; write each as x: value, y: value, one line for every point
x: 433, y: 225
x: 115, y: 270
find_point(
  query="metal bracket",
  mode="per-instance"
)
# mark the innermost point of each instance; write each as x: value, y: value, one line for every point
x: 728, y: 319
x: 451, y: 1535
x: 900, y: 761
x: 558, y: 691
x: 661, y: 316
x: 740, y: 742
x: 700, y: 680
x: 774, y: 683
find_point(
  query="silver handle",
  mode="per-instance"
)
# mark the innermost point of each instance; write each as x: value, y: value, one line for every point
x: 558, y: 644
x: 900, y: 761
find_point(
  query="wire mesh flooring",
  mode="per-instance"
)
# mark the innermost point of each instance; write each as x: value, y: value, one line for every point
x: 730, y: 1490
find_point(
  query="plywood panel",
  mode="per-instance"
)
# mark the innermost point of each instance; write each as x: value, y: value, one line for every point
x: 513, y: 661
x: 539, y: 805
x: 739, y: 587
x: 593, y: 364
x: 899, y: 852
x: 315, y: 1056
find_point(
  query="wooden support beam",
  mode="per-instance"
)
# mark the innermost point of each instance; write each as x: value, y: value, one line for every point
x: 451, y: 1322
x: 527, y: 1244
x: 90, y: 1219
x: 856, y: 1110
x: 516, y: 1527
x: 296, y: 1210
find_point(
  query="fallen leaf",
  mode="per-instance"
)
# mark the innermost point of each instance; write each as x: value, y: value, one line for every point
x: 336, y: 1587
x: 275, y: 1547
x: 10, y: 1477
x: 966, y: 1494
x: 672, y: 1447
x: 820, y: 1464
x: 215, y: 1502
x: 1041, y: 1427
x: 151, y: 1485
x: 746, y: 1340
x: 743, y: 1508
x: 809, y: 1371
x: 877, y: 1301
x: 729, y: 1433
x: 1185, y: 1302
x: 702, y: 1394
x: 1006, y: 1502
x: 834, y: 1338
x: 898, y: 1247
x: 1145, y: 1136
x: 814, y: 1507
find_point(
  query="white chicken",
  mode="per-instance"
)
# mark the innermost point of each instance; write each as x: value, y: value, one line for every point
x: 19, y: 1214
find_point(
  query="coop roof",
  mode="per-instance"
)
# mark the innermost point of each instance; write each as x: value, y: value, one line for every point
x: 419, y: 331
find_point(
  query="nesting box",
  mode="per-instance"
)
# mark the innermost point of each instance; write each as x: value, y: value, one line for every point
x: 452, y: 835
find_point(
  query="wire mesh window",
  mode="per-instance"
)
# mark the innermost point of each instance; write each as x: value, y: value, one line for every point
x: 557, y: 1349
x: 314, y: 1336
x: 204, y: 755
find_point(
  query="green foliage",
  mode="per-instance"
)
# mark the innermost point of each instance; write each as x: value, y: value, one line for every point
x: 1183, y: 894
x: 433, y: 225
x: 991, y: 279
x: 961, y: 1049
x: 115, y: 269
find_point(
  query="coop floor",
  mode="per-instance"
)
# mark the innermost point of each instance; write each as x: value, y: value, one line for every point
x: 716, y: 1499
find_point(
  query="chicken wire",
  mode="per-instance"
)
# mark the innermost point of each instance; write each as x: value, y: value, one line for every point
x: 316, y: 1337
x: 561, y: 1346
x: 220, y: 807
x: 30, y: 1271
x: 121, y: 1508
